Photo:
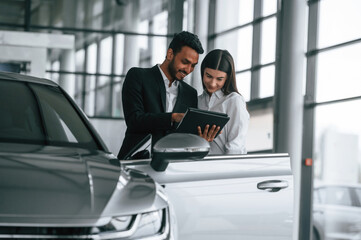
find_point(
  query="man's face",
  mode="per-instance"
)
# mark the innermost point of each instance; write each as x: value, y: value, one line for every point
x: 182, y: 63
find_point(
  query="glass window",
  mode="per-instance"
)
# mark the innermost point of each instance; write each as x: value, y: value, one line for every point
x: 335, y: 196
x: 55, y: 66
x: 345, y: 19
x: 269, y: 7
x: 338, y: 73
x: 79, y: 60
x: 260, y: 130
x: 239, y: 44
x: 185, y: 16
x: 79, y: 67
x: 20, y: 117
x: 337, y: 142
x: 316, y: 197
x: 58, y: 112
x: 244, y: 84
x: 143, y: 40
x: 159, y: 44
x: 358, y: 195
x: 106, y: 52
x: 89, y: 103
x: 245, y: 11
x: 243, y: 59
x: 105, y: 65
x: 97, y: 7
x: 267, y: 81
x: 20, y: 120
x: 232, y: 13
x: 134, y: 53
x: 117, y: 101
x: 90, y: 80
x: 160, y: 23
x: 103, y: 101
x: 119, y: 54
x: 48, y: 67
x: 159, y: 50
x: 268, y: 41
x: 92, y: 58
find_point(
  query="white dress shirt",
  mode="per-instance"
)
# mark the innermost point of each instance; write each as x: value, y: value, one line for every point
x: 171, y: 92
x: 232, y: 140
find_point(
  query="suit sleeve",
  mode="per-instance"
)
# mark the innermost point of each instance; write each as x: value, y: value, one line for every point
x: 137, y: 120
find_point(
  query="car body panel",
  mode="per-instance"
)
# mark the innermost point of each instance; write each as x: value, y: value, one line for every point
x: 25, y: 78
x: 218, y: 198
x: 47, y: 184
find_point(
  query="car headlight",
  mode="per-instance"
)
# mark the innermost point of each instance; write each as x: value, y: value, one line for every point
x: 149, y: 224
x: 144, y: 226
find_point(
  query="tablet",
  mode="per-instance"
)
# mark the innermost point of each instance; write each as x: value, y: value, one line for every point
x: 196, y: 117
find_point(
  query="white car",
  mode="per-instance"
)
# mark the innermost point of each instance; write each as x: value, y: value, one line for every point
x: 222, y: 196
x: 337, y: 212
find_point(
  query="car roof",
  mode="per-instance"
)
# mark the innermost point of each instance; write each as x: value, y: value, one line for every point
x: 25, y: 78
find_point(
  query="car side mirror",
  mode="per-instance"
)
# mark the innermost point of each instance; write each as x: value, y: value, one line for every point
x: 178, y: 147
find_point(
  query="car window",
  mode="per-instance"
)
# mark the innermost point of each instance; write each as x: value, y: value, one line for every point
x: 335, y: 196
x: 358, y: 194
x: 40, y: 114
x: 19, y: 114
x: 62, y: 122
x: 316, y: 197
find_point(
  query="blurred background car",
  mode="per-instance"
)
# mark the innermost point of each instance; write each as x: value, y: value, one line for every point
x: 337, y: 212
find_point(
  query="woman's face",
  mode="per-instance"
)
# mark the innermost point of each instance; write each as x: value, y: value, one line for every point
x: 213, y: 80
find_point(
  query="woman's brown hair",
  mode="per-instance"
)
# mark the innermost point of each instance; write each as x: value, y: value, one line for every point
x: 221, y: 60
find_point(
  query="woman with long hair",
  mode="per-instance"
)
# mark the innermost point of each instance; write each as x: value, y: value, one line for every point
x: 221, y: 95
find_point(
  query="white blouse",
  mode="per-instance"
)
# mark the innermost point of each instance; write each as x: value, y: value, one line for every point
x: 232, y: 140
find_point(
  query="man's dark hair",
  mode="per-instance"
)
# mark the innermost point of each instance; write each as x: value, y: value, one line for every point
x: 185, y: 39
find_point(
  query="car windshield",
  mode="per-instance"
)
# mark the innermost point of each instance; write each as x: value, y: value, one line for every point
x: 40, y: 114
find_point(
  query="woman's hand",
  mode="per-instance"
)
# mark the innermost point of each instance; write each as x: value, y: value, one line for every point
x: 208, y: 134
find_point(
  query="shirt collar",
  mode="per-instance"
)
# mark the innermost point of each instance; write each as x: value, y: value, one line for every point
x: 165, y: 79
x: 219, y: 94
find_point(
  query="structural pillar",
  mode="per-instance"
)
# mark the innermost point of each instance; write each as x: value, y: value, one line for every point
x: 290, y: 74
x: 67, y: 57
x: 131, y: 46
x: 201, y: 30
x: 67, y: 63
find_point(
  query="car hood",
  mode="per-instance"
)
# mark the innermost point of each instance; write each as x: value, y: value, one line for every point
x: 50, y: 185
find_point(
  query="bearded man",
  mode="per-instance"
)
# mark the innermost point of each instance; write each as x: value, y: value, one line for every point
x: 155, y: 99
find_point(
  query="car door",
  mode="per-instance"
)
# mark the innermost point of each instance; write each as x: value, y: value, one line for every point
x: 228, y: 197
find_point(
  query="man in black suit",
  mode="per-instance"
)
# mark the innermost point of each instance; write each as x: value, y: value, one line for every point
x: 155, y: 99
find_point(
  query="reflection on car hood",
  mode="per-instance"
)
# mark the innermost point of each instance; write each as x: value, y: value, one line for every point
x: 54, y: 184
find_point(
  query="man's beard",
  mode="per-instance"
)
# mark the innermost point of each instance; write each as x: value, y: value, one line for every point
x: 173, y: 71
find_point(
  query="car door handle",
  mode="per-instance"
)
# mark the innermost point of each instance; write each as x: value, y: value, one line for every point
x: 272, y: 185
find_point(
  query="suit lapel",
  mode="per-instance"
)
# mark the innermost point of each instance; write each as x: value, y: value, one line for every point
x: 160, y: 84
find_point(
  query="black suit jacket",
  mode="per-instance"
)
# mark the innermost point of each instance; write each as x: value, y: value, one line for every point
x: 144, y: 103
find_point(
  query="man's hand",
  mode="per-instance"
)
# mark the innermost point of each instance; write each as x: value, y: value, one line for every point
x: 177, y: 117
x: 208, y: 134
